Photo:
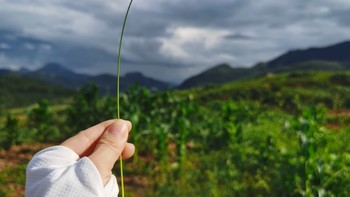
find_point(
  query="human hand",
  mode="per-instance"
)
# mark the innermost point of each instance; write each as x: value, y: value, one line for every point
x: 81, y: 165
x: 103, y: 144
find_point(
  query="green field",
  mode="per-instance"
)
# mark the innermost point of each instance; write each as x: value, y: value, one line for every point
x: 276, y: 135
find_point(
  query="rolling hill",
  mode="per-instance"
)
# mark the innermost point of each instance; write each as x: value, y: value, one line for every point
x: 17, y: 91
x: 217, y: 75
x: 331, y: 58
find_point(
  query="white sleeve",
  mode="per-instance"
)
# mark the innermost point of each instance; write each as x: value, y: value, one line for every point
x: 58, y: 171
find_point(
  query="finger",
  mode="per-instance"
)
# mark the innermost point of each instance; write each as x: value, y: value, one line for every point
x: 85, y: 141
x: 110, y: 147
x: 128, y: 151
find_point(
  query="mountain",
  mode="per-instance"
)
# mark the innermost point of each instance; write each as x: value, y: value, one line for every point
x: 335, y: 53
x: 56, y: 70
x: 140, y: 79
x: 5, y: 72
x: 56, y: 74
x: 216, y: 75
x: 107, y: 82
x: 331, y: 58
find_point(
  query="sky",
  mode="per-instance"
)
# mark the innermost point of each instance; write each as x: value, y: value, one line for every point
x: 169, y: 40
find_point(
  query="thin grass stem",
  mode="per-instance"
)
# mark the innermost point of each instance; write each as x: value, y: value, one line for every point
x: 118, y: 92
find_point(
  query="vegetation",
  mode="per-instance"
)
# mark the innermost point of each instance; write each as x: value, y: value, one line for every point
x: 279, y: 135
x: 17, y: 91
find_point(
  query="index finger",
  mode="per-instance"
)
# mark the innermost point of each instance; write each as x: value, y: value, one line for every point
x: 85, y: 141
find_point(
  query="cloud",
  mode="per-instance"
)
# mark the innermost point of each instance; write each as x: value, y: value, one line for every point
x: 237, y: 36
x: 4, y: 46
x: 168, y: 40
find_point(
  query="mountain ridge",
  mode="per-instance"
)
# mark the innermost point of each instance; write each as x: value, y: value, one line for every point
x: 57, y: 74
x: 330, y: 58
x: 337, y: 52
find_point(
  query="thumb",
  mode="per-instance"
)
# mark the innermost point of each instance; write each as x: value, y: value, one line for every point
x: 110, y: 147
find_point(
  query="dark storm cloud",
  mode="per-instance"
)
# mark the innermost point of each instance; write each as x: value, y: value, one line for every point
x: 201, y: 13
x: 341, y: 16
x: 176, y: 38
x: 237, y: 36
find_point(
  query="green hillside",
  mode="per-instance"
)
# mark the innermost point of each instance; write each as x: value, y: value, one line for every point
x: 224, y: 73
x: 19, y: 91
x: 217, y: 75
x: 330, y: 89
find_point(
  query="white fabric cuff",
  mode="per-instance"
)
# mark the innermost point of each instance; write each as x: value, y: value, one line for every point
x: 58, y: 171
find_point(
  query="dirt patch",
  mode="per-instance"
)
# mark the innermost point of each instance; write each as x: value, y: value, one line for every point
x: 337, y: 119
x: 19, y: 154
x: 340, y: 112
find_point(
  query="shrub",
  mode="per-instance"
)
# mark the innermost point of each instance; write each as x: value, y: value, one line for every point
x: 10, y: 133
x: 42, y: 120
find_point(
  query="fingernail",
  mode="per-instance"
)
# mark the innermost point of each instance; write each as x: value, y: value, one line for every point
x: 119, y: 129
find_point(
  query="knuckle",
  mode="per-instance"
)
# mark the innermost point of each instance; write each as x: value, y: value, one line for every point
x: 110, y: 143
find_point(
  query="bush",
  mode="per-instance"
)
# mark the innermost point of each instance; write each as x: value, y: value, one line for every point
x: 10, y: 133
x: 41, y: 119
x: 340, y: 79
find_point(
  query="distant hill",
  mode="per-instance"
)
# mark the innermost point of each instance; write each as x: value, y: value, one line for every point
x: 140, y: 79
x: 17, y: 91
x: 107, y: 82
x: 330, y: 58
x: 5, y: 72
x: 335, y: 53
x: 216, y: 75
x: 56, y: 74
x: 59, y: 75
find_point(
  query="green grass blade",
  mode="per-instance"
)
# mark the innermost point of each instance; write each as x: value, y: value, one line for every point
x: 118, y: 93
x: 119, y: 58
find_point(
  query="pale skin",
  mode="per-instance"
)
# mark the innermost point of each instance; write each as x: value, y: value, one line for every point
x: 103, y: 144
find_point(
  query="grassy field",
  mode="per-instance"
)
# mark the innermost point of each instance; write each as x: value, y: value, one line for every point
x: 276, y: 135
